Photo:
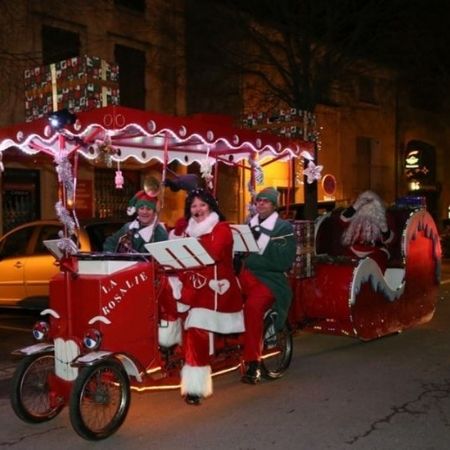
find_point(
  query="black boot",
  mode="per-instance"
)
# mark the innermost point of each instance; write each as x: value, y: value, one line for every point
x: 192, y: 399
x: 252, y: 374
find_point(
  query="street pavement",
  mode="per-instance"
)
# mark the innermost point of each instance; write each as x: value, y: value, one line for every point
x: 339, y: 394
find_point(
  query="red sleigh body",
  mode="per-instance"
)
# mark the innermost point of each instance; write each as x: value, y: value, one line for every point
x: 352, y: 297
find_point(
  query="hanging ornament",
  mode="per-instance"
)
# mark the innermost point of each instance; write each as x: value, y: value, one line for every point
x: 257, y: 171
x: 206, y: 171
x: 312, y: 172
x: 106, y: 150
x: 251, y: 207
x: 118, y: 179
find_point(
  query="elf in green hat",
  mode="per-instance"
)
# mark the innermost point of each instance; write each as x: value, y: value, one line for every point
x: 263, y: 277
x: 132, y: 237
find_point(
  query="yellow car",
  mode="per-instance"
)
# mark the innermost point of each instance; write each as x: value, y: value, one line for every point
x: 26, y: 265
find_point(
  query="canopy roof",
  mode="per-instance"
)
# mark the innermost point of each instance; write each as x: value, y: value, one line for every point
x: 145, y: 136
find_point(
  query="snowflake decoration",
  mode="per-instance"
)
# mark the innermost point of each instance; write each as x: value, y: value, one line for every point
x: 312, y: 172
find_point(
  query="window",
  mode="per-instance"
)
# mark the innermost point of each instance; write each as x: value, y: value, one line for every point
x: 114, y: 202
x: 21, y: 197
x: 133, y: 5
x: 16, y: 244
x: 363, y: 164
x: 59, y: 44
x: 426, y: 97
x: 366, y: 90
x: 46, y: 233
x: 132, y: 76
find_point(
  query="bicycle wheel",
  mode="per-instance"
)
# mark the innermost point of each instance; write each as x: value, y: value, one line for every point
x: 100, y: 400
x: 277, y: 349
x: 30, y: 391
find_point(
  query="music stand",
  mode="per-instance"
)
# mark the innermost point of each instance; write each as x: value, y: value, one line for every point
x: 185, y: 253
x: 53, y: 248
x: 243, y: 239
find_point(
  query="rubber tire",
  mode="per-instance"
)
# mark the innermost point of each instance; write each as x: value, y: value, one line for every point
x: 32, y: 372
x: 275, y: 367
x: 116, y: 377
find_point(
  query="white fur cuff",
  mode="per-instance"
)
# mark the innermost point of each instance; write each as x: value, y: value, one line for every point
x: 169, y: 333
x: 196, y: 380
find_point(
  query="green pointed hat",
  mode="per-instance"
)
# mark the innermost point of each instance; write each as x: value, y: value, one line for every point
x: 270, y: 194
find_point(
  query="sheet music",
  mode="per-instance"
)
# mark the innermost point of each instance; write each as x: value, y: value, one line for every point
x: 243, y: 239
x: 183, y: 253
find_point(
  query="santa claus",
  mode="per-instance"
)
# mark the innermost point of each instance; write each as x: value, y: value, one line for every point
x: 367, y: 233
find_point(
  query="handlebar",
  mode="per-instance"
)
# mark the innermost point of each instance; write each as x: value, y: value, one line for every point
x: 114, y: 256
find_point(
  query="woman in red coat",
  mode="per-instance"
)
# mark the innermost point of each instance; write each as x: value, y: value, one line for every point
x: 210, y: 294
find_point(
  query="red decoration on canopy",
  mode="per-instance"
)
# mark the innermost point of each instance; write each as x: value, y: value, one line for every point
x: 143, y: 136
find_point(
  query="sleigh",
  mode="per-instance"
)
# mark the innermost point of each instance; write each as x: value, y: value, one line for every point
x: 352, y: 297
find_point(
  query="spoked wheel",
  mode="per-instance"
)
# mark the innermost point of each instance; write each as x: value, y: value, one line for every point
x: 100, y: 400
x: 277, y: 349
x: 31, y: 398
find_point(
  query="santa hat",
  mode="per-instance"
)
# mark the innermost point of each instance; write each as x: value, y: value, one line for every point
x: 141, y: 198
x: 270, y: 194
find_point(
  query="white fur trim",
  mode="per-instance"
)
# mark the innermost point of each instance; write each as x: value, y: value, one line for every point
x: 169, y: 333
x: 182, y: 307
x: 197, y: 229
x: 147, y: 232
x: 196, y: 380
x: 219, y: 322
x: 268, y: 224
x: 176, y: 286
x: 390, y: 238
x: 391, y: 285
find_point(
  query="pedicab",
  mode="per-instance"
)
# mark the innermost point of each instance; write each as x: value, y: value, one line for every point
x: 99, y: 337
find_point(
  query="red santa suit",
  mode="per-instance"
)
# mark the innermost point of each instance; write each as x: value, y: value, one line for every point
x: 367, y: 233
x: 213, y: 301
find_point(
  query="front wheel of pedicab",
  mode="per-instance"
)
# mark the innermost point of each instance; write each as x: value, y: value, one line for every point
x: 100, y: 400
x: 277, y: 349
x: 31, y: 398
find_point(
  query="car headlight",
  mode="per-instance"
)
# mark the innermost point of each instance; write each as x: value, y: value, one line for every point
x: 92, y: 339
x: 40, y: 331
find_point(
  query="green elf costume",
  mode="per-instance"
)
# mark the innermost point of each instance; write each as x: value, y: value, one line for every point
x: 132, y: 237
x: 263, y: 279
